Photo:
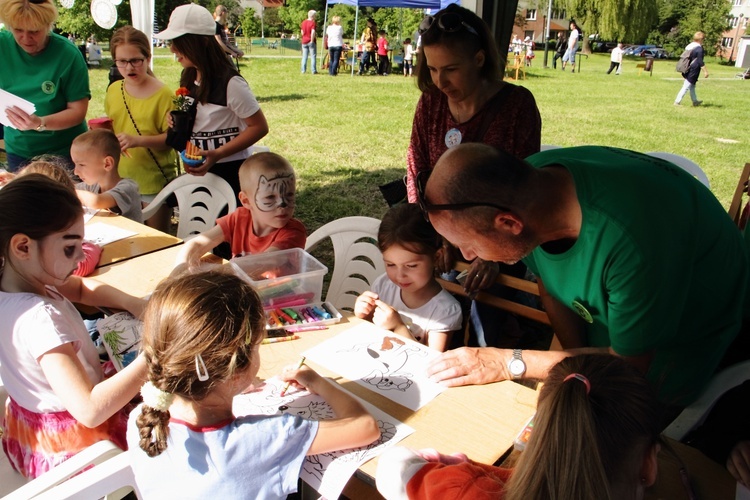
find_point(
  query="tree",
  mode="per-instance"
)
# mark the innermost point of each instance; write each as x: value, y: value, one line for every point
x: 295, y: 11
x: 623, y: 20
x: 78, y: 21
x: 251, y: 23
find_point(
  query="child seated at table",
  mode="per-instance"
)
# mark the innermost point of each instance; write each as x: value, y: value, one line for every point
x: 264, y: 222
x: 595, y: 435
x: 59, y: 402
x: 407, y: 299
x: 201, y: 339
x: 96, y: 154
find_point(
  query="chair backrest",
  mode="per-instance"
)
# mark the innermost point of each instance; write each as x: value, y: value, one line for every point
x: 547, y: 147
x: 357, y: 259
x: 97, y: 453
x: 112, y: 478
x: 685, y: 163
x: 735, y: 208
x: 200, y: 200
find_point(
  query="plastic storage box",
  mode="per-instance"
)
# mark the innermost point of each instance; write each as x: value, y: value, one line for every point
x: 289, y: 277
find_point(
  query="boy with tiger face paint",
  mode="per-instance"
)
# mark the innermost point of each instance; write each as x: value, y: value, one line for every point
x: 264, y: 222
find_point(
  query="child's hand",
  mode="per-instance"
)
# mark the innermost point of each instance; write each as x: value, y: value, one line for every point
x: 127, y: 141
x: 365, y: 305
x: 386, y: 316
x: 432, y: 455
x: 304, y: 378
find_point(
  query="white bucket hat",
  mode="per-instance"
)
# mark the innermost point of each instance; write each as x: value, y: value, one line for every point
x: 190, y: 19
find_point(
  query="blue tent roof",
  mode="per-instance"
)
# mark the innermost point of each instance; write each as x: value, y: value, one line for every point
x: 414, y: 4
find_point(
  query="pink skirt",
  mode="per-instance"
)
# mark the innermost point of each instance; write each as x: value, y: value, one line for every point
x: 37, y: 442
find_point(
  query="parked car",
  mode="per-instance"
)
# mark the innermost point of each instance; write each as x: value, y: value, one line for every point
x: 636, y: 50
x: 656, y: 53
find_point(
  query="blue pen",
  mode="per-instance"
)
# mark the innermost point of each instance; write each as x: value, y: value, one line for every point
x: 321, y: 313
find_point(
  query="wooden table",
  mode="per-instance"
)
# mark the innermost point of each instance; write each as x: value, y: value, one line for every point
x: 146, y: 240
x: 480, y: 420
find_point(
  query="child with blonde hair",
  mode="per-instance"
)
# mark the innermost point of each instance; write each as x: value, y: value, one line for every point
x: 264, y: 222
x: 96, y: 155
x: 407, y: 299
x: 59, y: 402
x: 201, y: 340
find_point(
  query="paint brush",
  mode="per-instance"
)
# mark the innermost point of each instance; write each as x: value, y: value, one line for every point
x: 286, y: 386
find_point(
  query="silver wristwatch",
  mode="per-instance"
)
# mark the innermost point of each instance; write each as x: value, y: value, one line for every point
x: 516, y: 366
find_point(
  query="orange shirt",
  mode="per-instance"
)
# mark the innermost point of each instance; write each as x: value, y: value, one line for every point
x: 469, y: 480
x: 238, y: 231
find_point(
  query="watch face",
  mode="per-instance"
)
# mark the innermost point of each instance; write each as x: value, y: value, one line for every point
x: 517, y: 367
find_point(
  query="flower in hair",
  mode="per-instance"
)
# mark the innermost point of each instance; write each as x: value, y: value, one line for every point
x: 155, y: 397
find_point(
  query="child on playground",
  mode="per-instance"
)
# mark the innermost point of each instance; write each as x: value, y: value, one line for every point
x: 407, y: 299
x: 96, y: 155
x: 382, y: 44
x: 264, y: 222
x: 408, y: 57
x: 202, y: 335
x: 59, y: 402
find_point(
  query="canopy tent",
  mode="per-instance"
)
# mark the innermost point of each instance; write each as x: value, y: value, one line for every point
x: 406, y: 4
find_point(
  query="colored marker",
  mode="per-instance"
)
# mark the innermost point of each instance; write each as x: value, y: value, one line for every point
x: 286, y: 386
x: 284, y: 316
x: 273, y: 340
x: 323, y: 314
x: 292, y: 314
x: 310, y: 328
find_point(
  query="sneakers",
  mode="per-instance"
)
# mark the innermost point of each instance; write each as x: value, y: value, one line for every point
x: 677, y: 104
x: 697, y: 103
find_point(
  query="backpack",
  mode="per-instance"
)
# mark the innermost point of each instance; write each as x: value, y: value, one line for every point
x: 684, y: 63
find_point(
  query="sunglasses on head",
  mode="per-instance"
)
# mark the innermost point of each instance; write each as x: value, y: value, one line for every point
x: 426, y: 207
x: 450, y: 22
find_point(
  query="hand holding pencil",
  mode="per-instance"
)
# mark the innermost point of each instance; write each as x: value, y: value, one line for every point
x: 302, y: 377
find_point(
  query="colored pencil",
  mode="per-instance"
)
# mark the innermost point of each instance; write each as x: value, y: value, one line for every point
x: 286, y: 386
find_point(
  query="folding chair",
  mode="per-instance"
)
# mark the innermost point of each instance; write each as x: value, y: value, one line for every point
x: 736, y: 205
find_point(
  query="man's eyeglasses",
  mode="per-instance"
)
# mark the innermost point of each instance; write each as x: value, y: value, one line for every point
x: 123, y: 63
x: 450, y: 22
x: 37, y: 2
x: 426, y: 207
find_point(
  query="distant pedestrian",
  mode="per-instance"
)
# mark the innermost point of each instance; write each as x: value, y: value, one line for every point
x: 382, y: 44
x: 369, y: 47
x: 570, y: 54
x: 616, y: 59
x: 694, y: 70
x: 409, y: 56
x: 560, y: 48
x: 335, y: 34
x: 309, y: 41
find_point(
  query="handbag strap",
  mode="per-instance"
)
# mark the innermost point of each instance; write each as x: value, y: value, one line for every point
x: 132, y: 120
x: 491, y: 110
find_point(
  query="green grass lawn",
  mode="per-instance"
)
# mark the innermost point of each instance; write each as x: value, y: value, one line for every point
x: 345, y: 136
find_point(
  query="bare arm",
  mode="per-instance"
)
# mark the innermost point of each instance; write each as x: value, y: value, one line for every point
x: 142, y: 141
x: 72, y: 115
x: 194, y: 249
x: 567, y: 325
x: 96, y: 200
x: 90, y: 292
x: 90, y: 404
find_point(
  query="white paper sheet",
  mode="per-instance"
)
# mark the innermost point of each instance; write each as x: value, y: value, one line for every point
x: 7, y: 100
x: 121, y: 336
x: 327, y: 473
x: 88, y: 214
x: 381, y: 361
x: 103, y: 234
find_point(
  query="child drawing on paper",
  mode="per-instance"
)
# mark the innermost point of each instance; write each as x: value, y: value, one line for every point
x: 407, y: 299
x: 201, y: 340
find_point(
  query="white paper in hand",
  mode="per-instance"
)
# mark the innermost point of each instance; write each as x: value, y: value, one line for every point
x: 7, y: 100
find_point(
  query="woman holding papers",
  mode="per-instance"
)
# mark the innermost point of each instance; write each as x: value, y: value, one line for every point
x: 48, y: 71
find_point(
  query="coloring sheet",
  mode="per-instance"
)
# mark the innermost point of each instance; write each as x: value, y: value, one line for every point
x: 381, y: 361
x: 102, y: 234
x: 328, y: 473
x: 121, y: 336
x: 88, y: 213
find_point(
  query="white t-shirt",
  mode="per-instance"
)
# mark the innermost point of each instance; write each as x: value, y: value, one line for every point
x: 126, y: 196
x: 408, y: 52
x: 442, y: 313
x: 616, y: 55
x: 249, y: 457
x: 31, y: 326
x: 335, y: 34
x: 216, y: 125
x: 573, y: 40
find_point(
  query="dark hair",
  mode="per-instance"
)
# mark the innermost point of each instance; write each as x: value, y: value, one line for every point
x: 212, y: 314
x: 209, y: 58
x: 588, y: 439
x: 128, y: 35
x: 405, y: 225
x: 36, y: 206
x: 407, y: 41
x: 381, y: 32
x: 461, y: 41
x: 101, y: 140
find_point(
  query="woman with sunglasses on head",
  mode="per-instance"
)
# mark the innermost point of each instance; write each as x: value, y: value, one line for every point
x: 138, y: 106
x: 47, y: 70
x: 465, y: 100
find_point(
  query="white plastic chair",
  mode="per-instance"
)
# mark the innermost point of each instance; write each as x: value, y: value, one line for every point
x: 686, y: 164
x: 357, y: 258
x: 200, y: 200
x: 10, y: 480
x: 97, y: 453
x: 694, y: 415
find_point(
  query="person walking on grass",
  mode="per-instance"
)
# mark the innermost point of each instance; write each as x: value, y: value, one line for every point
x: 570, y: 54
x: 694, y: 70
x: 616, y: 59
x: 309, y: 41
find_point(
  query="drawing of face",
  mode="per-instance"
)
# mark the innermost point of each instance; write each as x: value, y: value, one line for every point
x: 408, y: 270
x: 272, y: 202
x: 57, y: 256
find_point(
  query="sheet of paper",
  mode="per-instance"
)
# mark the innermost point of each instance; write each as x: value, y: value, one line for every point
x: 121, y: 336
x: 7, y: 100
x: 102, y: 234
x: 328, y: 473
x: 88, y: 213
x: 381, y: 361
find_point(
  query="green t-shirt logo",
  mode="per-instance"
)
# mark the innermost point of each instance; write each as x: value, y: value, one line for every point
x: 582, y: 312
x: 48, y: 87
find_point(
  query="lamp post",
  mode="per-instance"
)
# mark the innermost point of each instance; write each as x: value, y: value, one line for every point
x: 736, y: 35
x: 546, y: 32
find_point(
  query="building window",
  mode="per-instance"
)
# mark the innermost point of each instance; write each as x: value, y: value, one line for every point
x: 559, y: 14
x: 737, y: 3
x: 531, y: 15
x: 727, y: 42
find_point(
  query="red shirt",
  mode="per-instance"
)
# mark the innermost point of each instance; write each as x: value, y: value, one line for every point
x: 382, y: 46
x: 238, y: 231
x: 469, y: 480
x: 307, y: 27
